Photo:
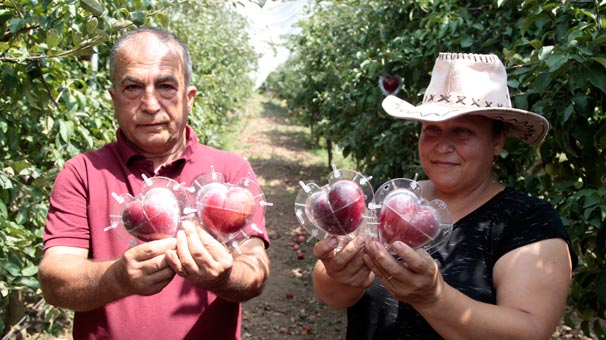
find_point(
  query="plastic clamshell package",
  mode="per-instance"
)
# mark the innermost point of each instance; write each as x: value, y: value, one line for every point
x: 401, y: 214
x: 223, y: 209
x: 338, y: 208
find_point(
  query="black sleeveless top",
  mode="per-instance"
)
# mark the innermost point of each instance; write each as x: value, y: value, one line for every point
x: 508, y: 221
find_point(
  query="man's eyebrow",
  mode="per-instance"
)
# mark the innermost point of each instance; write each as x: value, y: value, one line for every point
x: 164, y: 79
x: 130, y: 79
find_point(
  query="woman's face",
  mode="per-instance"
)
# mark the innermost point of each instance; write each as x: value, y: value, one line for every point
x: 457, y: 154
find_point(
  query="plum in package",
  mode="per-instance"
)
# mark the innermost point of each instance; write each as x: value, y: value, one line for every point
x: 338, y: 208
x: 225, y: 210
x: 401, y: 214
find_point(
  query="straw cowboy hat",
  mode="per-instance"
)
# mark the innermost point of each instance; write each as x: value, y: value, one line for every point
x: 470, y: 84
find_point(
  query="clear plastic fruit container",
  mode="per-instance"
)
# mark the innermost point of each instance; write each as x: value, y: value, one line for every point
x: 338, y: 208
x: 153, y: 214
x: 401, y: 214
x: 228, y: 211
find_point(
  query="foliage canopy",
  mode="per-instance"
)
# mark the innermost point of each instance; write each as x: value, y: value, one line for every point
x: 54, y: 102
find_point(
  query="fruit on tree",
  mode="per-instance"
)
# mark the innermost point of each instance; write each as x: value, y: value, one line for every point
x: 338, y: 211
x: 390, y: 83
x: 403, y: 219
x: 154, y: 216
x: 225, y: 210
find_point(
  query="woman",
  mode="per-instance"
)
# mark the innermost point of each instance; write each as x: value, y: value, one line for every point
x: 506, y: 271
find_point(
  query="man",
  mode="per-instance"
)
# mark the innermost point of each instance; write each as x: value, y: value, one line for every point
x: 119, y: 292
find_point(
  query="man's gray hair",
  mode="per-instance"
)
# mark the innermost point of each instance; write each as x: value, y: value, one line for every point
x: 163, y: 36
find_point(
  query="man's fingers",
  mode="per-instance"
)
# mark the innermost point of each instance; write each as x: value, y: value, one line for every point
x: 152, y: 249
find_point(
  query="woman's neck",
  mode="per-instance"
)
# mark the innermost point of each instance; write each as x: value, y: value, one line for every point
x: 461, y: 203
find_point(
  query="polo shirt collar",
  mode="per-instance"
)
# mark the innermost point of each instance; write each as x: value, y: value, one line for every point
x: 131, y: 157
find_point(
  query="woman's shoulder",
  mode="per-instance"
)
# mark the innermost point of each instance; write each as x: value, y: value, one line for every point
x: 515, y: 197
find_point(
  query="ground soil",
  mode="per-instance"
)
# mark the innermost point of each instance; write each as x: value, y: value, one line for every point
x: 281, y: 155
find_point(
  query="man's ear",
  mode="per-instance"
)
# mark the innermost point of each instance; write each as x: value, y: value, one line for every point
x: 191, y: 96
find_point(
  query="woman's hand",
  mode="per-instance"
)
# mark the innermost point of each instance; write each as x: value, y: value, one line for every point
x: 341, y: 277
x: 346, y: 266
x: 415, y: 280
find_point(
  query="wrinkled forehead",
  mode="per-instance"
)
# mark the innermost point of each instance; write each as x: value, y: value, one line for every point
x: 149, y: 46
x: 149, y: 55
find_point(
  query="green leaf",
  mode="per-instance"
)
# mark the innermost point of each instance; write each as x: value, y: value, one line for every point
x: 601, y: 60
x: 12, y: 268
x: 138, y: 17
x: 93, y: 6
x: 118, y: 25
x: 555, y: 61
x: 53, y: 38
x: 467, y: 41
x: 91, y: 25
x: 15, y: 25
x: 597, y: 77
x: 29, y: 270
x: 3, y: 210
x: 66, y: 130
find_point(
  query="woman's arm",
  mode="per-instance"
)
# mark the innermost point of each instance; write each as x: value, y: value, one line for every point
x: 531, y: 281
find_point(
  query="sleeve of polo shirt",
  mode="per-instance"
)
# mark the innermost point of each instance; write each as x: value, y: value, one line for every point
x: 67, y: 222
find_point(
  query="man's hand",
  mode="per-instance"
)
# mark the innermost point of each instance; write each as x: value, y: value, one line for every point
x: 143, y: 269
x: 236, y: 276
x: 199, y: 257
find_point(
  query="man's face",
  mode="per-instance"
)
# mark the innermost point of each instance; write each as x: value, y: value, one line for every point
x: 151, y: 100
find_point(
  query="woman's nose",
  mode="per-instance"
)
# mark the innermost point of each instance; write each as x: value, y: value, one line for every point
x: 445, y: 144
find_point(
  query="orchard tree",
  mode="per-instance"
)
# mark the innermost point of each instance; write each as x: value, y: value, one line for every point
x: 54, y: 105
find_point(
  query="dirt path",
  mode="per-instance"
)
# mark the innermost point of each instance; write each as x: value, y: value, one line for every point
x: 280, y: 153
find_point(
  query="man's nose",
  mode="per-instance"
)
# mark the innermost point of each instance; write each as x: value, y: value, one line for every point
x: 149, y: 101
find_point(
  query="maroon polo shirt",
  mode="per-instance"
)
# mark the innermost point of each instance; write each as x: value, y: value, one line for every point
x: 79, y: 213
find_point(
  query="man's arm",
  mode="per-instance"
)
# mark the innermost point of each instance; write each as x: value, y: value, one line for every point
x: 70, y: 280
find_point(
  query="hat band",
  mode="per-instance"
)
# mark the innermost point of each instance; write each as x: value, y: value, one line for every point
x: 464, y: 101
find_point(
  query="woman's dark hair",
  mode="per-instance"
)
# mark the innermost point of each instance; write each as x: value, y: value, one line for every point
x: 498, y: 126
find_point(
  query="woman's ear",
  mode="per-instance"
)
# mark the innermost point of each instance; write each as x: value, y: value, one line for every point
x: 499, y: 142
